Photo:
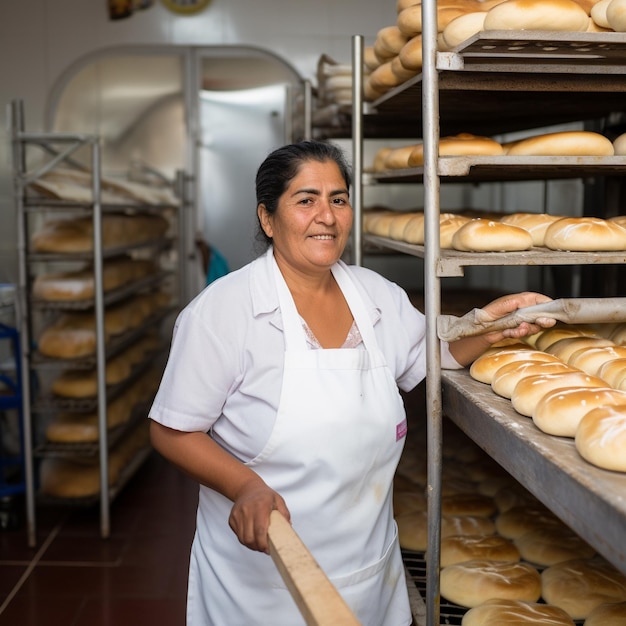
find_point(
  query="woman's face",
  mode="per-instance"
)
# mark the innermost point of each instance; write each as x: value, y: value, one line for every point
x: 311, y: 225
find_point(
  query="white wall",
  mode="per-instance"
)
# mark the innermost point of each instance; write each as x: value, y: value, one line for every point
x: 41, y: 39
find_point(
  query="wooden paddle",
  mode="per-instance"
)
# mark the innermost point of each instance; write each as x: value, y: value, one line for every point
x: 316, y: 597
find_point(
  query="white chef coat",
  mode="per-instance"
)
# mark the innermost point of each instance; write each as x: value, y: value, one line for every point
x: 224, y: 372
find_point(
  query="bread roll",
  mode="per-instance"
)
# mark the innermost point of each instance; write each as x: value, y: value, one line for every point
x: 580, y: 585
x: 508, y: 498
x: 616, y: 15
x: 461, y: 28
x: 547, y: 546
x: 614, y: 373
x: 462, y: 548
x: 585, y: 234
x: 601, y: 437
x: 500, y: 612
x: 619, y: 146
x: 564, y: 348
x: 535, y: 223
x: 389, y: 41
x: 608, y: 614
x: 413, y: 528
x: 486, y: 365
x: 411, y: 55
x: 463, y: 144
x: 402, y: 73
x: 449, y: 223
x: 537, y: 15
x: 398, y: 158
x: 370, y: 60
x: 590, y: 360
x: 520, y: 519
x: 563, y: 143
x: 382, y: 224
x: 468, y: 504
x: 549, y: 336
x: 598, y: 13
x: 482, y: 235
x: 559, y: 412
x: 531, y: 389
x: 473, y: 582
x: 506, y: 378
x: 383, y: 78
x: 403, y: 4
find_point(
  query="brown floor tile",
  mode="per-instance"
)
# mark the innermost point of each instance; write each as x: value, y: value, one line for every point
x: 52, y: 612
x: 9, y: 577
x: 132, y: 612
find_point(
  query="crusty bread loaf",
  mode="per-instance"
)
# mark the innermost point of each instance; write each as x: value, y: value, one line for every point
x: 619, y: 146
x: 399, y: 223
x: 616, y: 15
x: 608, y: 614
x: 547, y: 546
x: 580, y: 585
x: 598, y: 13
x: 535, y: 223
x: 483, y: 235
x: 462, y: 548
x: 614, y: 373
x: 601, y: 437
x: 486, y: 365
x: 564, y: 348
x: 449, y: 223
x: 411, y: 56
x: 563, y: 143
x: 506, y: 377
x: 473, y: 582
x: 463, y: 27
x: 520, y: 519
x: 537, y: 15
x: 559, y: 412
x: 398, y: 158
x: 549, y: 336
x: 499, y: 612
x: 531, y: 389
x: 383, y: 77
x: 389, y: 41
x: 463, y: 144
x: 590, y: 360
x: 585, y: 234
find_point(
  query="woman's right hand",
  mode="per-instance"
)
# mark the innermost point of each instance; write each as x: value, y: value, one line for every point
x: 250, y: 515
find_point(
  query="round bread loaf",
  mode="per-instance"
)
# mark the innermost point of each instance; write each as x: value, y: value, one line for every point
x: 614, y: 373
x: 486, y: 365
x: 616, y: 15
x: 468, y: 504
x: 547, y: 546
x: 563, y: 143
x: 508, y: 498
x: 66, y: 478
x: 531, y: 389
x: 492, y: 484
x: 500, y: 612
x: 413, y: 528
x: 473, y: 582
x: 449, y: 223
x: 590, y: 360
x: 389, y: 41
x: 463, y: 144
x: 559, y: 412
x: 506, y: 378
x: 535, y: 223
x: 461, y: 28
x: 398, y: 158
x: 619, y: 148
x: 601, y: 437
x: 598, y: 13
x: 549, y: 336
x: 398, y: 224
x: 411, y: 54
x: 564, y: 348
x: 462, y: 548
x: 609, y: 614
x: 380, y: 157
x: 523, y: 518
x: 402, y: 73
x: 580, y: 585
x: 383, y: 77
x: 482, y: 235
x: 537, y: 15
x: 585, y: 234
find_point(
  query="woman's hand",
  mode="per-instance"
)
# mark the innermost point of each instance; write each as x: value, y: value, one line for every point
x: 466, y: 350
x: 250, y: 515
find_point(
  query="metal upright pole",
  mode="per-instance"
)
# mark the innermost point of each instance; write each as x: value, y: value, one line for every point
x: 357, y: 149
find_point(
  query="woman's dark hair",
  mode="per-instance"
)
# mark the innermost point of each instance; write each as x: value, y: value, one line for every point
x: 282, y: 165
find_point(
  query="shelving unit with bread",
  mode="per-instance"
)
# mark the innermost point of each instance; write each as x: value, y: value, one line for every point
x: 494, y: 83
x: 99, y: 276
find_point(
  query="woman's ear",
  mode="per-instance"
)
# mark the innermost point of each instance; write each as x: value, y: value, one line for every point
x: 264, y: 220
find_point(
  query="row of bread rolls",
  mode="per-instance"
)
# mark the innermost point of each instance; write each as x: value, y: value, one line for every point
x: 73, y: 334
x: 80, y: 478
x: 574, y: 386
x: 495, y: 539
x: 78, y: 383
x: 469, y: 232
x: 118, y: 229
x: 561, y: 143
x: 396, y: 54
x: 79, y: 284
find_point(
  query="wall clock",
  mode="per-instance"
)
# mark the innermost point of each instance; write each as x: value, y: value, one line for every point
x: 186, y: 7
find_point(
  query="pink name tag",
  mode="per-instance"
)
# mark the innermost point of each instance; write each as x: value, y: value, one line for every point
x: 401, y: 430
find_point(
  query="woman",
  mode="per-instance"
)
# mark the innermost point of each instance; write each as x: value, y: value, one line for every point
x: 292, y: 366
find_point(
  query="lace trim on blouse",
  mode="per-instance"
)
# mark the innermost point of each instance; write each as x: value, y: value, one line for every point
x: 353, y: 339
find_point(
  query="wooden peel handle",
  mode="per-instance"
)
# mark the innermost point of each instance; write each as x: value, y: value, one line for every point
x: 316, y: 597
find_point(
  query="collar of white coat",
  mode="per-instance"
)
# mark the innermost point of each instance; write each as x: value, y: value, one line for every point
x: 265, y: 297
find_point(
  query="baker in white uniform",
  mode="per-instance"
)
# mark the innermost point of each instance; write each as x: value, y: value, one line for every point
x: 282, y: 392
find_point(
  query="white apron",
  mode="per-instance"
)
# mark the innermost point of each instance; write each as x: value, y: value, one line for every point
x: 332, y: 455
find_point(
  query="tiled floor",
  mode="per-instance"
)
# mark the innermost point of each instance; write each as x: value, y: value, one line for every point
x: 136, y: 577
